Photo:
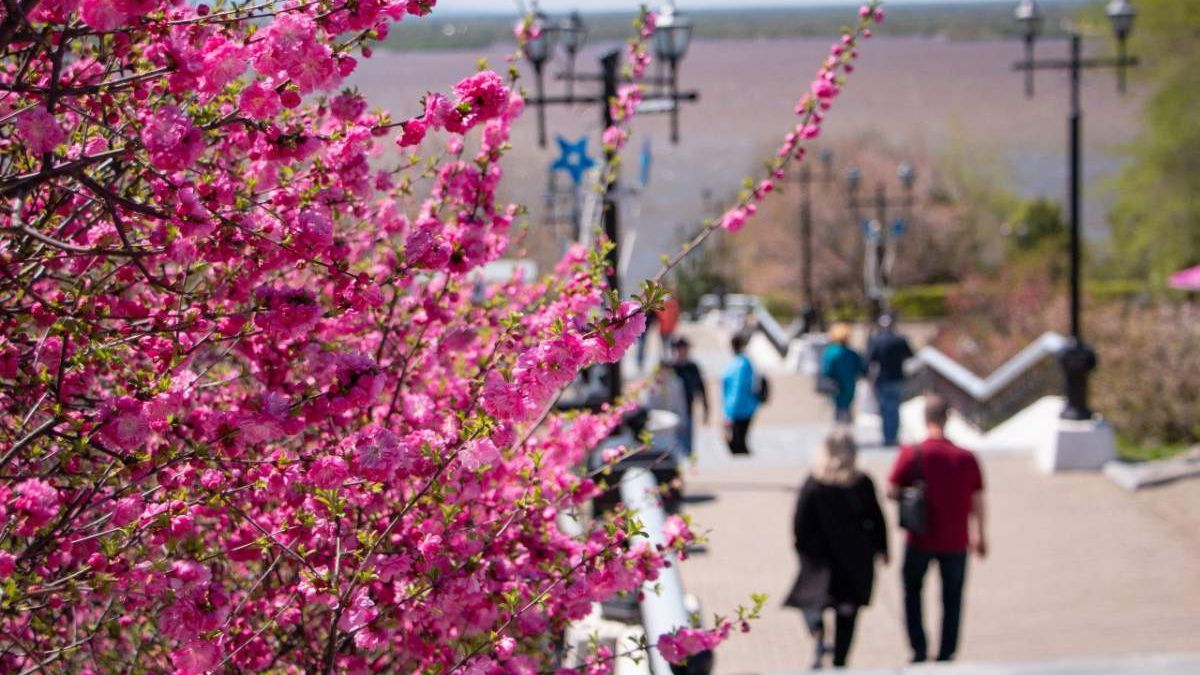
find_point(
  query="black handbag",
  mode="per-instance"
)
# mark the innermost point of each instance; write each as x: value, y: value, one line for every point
x: 914, y: 513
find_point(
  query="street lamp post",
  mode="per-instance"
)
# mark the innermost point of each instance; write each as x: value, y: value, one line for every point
x: 805, y: 177
x: 1077, y: 359
x: 671, y: 43
x: 880, y: 235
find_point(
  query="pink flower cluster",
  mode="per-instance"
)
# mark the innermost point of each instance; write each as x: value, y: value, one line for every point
x: 40, y: 130
x: 812, y: 108
x: 678, y: 646
x: 481, y: 97
x: 258, y: 410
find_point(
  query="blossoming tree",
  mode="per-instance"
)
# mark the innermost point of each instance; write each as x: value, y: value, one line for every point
x: 252, y: 415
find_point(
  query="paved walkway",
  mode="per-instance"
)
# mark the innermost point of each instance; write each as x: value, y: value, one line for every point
x: 1079, y: 569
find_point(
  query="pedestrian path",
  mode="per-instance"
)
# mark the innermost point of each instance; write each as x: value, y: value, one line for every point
x: 1165, y: 664
x: 1082, y: 576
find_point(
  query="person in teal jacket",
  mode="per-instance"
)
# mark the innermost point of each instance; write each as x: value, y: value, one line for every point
x: 739, y: 397
x: 842, y: 366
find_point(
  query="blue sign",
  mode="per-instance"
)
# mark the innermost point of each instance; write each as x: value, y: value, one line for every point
x: 574, y: 159
x: 871, y: 229
x: 899, y: 227
x: 647, y: 160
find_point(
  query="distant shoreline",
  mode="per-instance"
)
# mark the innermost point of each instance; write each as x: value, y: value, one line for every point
x: 461, y: 31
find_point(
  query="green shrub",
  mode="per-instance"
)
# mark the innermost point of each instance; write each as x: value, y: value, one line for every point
x: 781, y: 306
x: 922, y: 302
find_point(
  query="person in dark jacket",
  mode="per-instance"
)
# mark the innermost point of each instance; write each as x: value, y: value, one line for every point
x: 693, y: 388
x: 886, y: 354
x: 839, y: 531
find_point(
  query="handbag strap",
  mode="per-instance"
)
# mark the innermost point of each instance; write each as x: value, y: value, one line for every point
x: 919, y: 473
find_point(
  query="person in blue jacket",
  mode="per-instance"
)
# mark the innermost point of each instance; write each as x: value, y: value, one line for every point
x: 739, y: 397
x: 841, y: 367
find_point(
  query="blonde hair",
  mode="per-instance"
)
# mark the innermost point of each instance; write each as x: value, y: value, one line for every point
x: 839, y: 333
x: 835, y: 462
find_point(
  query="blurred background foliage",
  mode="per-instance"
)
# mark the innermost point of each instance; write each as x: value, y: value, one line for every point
x: 1156, y: 220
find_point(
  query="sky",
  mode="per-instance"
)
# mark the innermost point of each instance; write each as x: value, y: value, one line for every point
x: 511, y: 6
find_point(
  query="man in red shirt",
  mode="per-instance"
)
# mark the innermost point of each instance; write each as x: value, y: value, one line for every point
x: 954, y: 523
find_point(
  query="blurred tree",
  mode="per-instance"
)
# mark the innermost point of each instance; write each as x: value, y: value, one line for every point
x: 1156, y: 220
x: 1040, y: 227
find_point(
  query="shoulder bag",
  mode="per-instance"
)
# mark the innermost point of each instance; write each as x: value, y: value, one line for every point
x: 914, y: 513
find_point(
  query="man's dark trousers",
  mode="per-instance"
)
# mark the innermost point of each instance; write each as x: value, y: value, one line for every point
x: 953, y: 570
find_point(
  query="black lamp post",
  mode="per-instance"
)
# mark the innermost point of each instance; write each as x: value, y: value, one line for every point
x: 805, y: 177
x: 1078, y: 359
x: 672, y: 37
x: 574, y: 35
x: 538, y: 49
x: 880, y: 239
x: 671, y: 43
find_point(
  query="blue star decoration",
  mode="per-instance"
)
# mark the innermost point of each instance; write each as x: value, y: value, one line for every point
x: 574, y: 158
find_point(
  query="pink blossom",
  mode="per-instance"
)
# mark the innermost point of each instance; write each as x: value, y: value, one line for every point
x: 502, y: 399
x: 259, y: 102
x: 361, y: 612
x: 630, y: 323
x: 223, y: 62
x: 823, y: 88
x: 678, y: 646
x: 290, y: 48
x: 485, y: 94
x: 38, y: 502
x: 677, y: 532
x: 40, y: 130
x: 375, y: 452
x: 8, y: 564
x: 412, y: 133
x: 127, y: 426
x: 478, y: 454
x: 287, y: 312
x: 171, y: 139
x: 313, y: 232
x: 328, y: 472
x: 437, y: 110
x: 195, y: 658
x: 734, y: 219
x: 54, y: 11
x: 614, y: 137
x: 348, y: 106
x: 106, y: 15
x: 357, y: 380
x: 504, y: 647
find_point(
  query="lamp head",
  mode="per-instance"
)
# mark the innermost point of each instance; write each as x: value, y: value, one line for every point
x: 827, y: 159
x: 672, y: 34
x: 574, y: 33
x: 1121, y: 14
x: 540, y: 45
x: 1029, y: 17
x: 853, y: 178
x: 906, y: 174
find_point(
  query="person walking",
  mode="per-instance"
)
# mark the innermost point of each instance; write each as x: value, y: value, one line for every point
x: 692, y: 378
x: 668, y: 394
x: 954, y: 522
x: 841, y: 367
x: 839, y: 532
x: 886, y: 353
x: 739, y: 397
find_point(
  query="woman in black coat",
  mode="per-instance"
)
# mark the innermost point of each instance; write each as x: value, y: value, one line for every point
x: 839, y: 530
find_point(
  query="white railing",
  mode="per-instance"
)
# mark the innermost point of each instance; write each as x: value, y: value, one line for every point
x: 663, y: 606
x: 983, y: 389
x: 989, y: 401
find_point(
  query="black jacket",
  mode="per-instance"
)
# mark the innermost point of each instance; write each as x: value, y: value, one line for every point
x: 888, y: 351
x: 838, y: 532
